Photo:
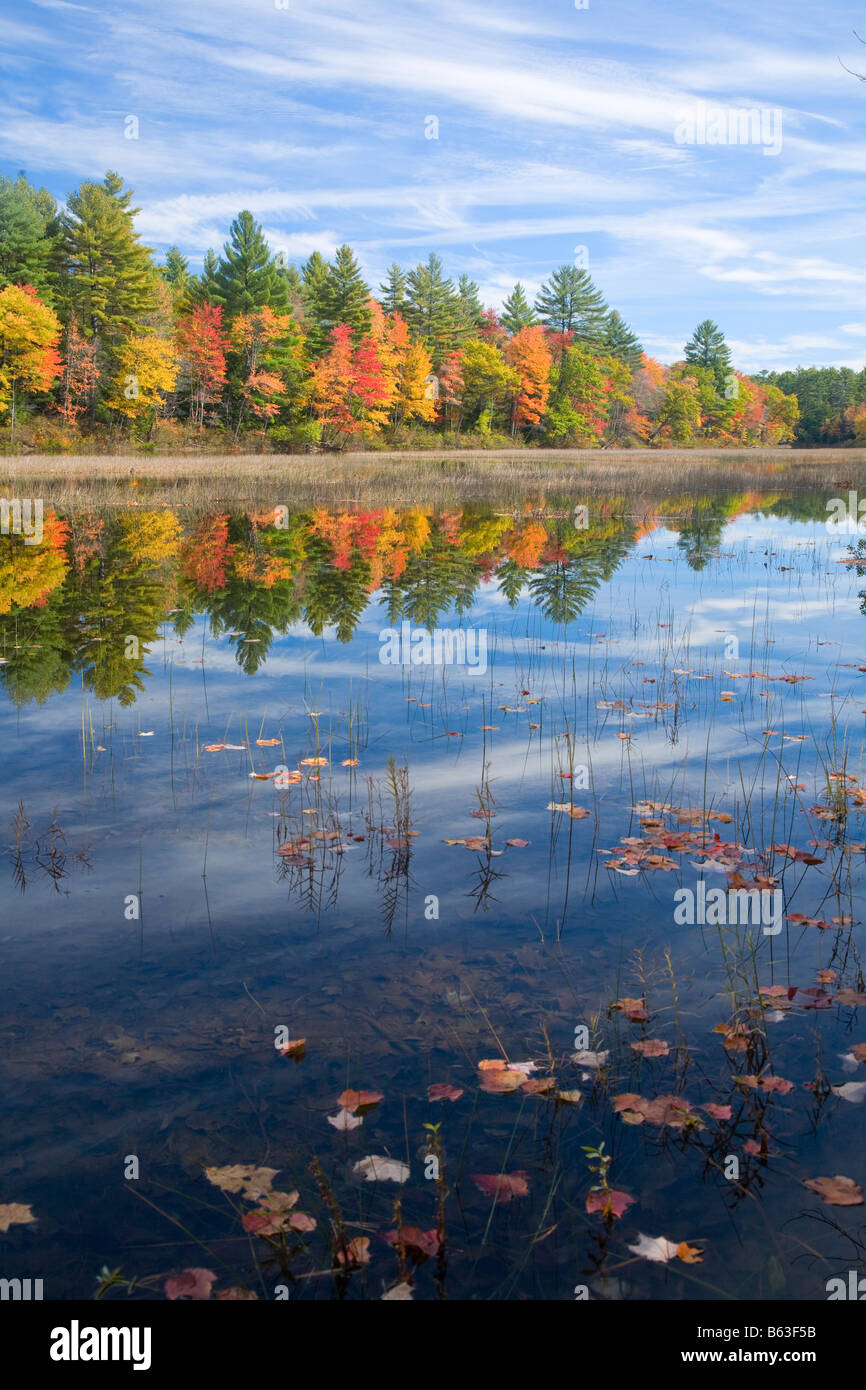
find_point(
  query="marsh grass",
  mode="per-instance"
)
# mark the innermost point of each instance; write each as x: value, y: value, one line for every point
x: 360, y: 480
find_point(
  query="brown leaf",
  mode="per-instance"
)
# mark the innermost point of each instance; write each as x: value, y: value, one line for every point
x: 836, y: 1192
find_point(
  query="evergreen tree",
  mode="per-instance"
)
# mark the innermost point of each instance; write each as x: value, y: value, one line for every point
x: 620, y: 342
x: 109, y: 283
x: 175, y: 272
x: 27, y: 221
x: 247, y: 277
x: 291, y: 275
x: 315, y: 292
x: 517, y: 312
x: 393, y: 291
x: 569, y: 302
x: 470, y: 309
x: 707, y: 348
x: 432, y: 309
x: 201, y: 289
x: 346, y: 294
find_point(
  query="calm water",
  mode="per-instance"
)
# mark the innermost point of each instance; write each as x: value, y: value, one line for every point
x: 153, y: 937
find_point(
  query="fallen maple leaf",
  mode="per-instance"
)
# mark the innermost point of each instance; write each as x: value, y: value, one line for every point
x: 610, y: 1203
x: 253, y: 1182
x: 357, y: 1252
x: 15, y: 1214
x: 441, y: 1090
x: 359, y: 1100
x: 689, y: 1254
x: 651, y: 1047
x: 837, y: 1191
x: 635, y: 1009
x: 421, y: 1244
x: 654, y: 1248
x: 190, y: 1283
x: 718, y: 1112
x: 344, y: 1119
x: 502, y: 1186
x: 376, y: 1168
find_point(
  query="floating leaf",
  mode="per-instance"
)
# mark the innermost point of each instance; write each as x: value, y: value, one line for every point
x: 253, y: 1182
x: 656, y: 1248
x: 359, y: 1100
x: 357, y: 1252
x: 853, y: 1091
x: 609, y: 1203
x: 441, y: 1090
x: 421, y: 1244
x: 837, y: 1191
x: 651, y: 1047
x: 15, y: 1214
x: 190, y: 1283
x: 344, y: 1119
x: 376, y: 1168
x: 502, y: 1186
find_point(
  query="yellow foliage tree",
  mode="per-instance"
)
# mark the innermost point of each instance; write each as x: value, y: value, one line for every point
x: 147, y: 369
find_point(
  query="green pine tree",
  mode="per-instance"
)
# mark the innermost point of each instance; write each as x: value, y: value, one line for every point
x: 569, y: 302
x: 393, y: 291
x: 175, y: 272
x: 27, y: 224
x: 517, y: 312
x: 108, y: 281
x: 247, y: 277
x: 707, y: 348
x: 315, y: 292
x: 470, y: 308
x: 346, y: 298
x: 433, y: 309
x: 620, y: 342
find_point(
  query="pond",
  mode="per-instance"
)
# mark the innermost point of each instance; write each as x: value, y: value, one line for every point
x: 380, y: 859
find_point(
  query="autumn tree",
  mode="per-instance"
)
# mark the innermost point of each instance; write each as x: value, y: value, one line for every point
x: 79, y: 375
x: 528, y: 354
x: 487, y: 381
x: 146, y: 371
x: 29, y: 334
x: 263, y: 344
x: 202, y: 346
x: 577, y: 408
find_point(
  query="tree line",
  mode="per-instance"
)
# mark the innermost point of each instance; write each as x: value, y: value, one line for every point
x: 98, y: 341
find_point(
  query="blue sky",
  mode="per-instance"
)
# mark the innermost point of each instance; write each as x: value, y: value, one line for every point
x: 558, y: 128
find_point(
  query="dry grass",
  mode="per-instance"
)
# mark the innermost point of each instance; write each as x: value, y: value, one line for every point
x: 507, y: 476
